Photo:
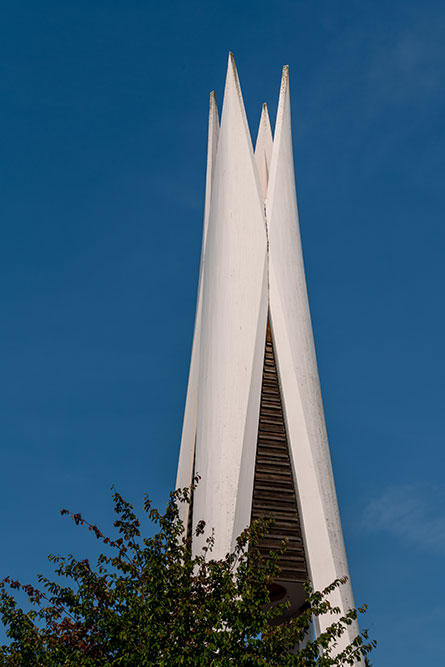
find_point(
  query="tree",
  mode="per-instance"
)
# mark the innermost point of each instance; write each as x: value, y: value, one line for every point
x: 150, y: 601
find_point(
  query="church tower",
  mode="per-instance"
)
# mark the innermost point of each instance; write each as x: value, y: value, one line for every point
x: 254, y: 427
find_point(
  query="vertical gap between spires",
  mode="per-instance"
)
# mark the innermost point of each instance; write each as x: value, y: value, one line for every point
x: 190, y: 513
x: 274, y: 490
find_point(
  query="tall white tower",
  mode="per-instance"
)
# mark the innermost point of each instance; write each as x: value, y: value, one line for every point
x: 253, y: 426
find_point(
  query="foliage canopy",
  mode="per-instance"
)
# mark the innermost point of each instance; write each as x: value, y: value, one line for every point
x: 151, y: 601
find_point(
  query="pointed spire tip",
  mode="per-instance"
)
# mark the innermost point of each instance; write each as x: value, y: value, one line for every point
x: 232, y: 75
x: 232, y: 63
x: 213, y: 108
x: 284, y: 80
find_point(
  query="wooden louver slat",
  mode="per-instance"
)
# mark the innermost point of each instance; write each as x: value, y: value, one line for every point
x: 274, y: 489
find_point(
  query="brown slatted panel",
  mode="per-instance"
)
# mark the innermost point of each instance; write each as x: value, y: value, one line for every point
x: 274, y: 490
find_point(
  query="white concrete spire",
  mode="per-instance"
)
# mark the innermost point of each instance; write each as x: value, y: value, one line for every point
x: 234, y: 310
x: 297, y: 367
x: 212, y: 145
x: 252, y: 272
x: 187, y: 451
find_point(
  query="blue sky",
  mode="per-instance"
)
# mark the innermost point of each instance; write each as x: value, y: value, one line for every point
x: 103, y: 115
